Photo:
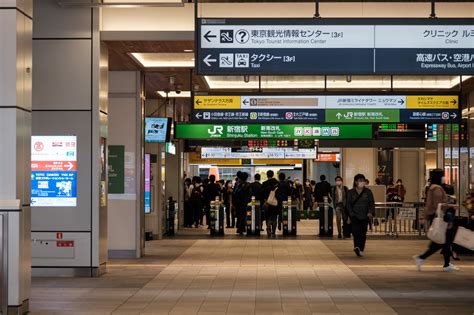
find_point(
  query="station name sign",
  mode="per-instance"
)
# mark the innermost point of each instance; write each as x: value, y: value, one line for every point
x: 335, y: 46
x: 272, y: 131
x: 326, y: 109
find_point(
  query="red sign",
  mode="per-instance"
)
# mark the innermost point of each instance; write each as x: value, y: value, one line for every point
x: 327, y: 157
x: 59, y: 236
x: 64, y: 243
x: 39, y: 146
x: 53, y: 165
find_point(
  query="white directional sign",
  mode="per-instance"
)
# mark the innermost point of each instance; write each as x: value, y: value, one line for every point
x: 282, y: 101
x: 258, y: 153
x: 366, y: 101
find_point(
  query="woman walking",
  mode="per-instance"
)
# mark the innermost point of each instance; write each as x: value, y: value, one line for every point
x: 435, y: 196
x: 361, y: 208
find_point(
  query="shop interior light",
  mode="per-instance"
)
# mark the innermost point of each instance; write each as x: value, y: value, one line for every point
x: 173, y: 94
x: 164, y: 60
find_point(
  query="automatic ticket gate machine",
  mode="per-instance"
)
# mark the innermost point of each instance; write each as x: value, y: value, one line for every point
x: 253, y: 220
x: 326, y: 219
x: 217, y: 218
x: 289, y: 218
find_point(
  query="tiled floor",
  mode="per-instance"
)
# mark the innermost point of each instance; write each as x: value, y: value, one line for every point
x: 264, y: 276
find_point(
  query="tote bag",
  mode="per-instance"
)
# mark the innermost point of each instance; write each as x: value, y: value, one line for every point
x: 464, y: 238
x: 437, y: 231
x: 272, y: 200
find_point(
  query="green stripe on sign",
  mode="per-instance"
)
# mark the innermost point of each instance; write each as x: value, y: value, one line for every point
x: 272, y: 131
x: 362, y: 115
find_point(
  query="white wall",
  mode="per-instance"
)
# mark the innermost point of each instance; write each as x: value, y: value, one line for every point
x: 359, y: 160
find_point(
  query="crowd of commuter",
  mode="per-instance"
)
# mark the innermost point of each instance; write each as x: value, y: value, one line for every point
x: 354, y: 207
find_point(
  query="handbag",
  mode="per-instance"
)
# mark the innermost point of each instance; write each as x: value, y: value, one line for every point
x: 272, y: 200
x: 437, y: 230
x: 464, y: 238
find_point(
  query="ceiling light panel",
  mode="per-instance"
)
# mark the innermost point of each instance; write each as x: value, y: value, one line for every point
x: 426, y: 82
x: 267, y: 82
x: 358, y: 82
x: 164, y: 60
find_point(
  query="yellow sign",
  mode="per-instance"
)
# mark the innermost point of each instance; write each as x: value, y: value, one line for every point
x: 195, y: 158
x: 433, y: 102
x: 276, y: 162
x: 216, y: 102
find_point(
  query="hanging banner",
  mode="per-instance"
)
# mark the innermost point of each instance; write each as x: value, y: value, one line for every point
x: 53, y: 171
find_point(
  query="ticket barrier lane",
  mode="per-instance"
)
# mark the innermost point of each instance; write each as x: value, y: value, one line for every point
x: 217, y: 215
x: 253, y: 218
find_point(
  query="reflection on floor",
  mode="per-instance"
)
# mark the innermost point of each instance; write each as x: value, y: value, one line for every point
x: 264, y: 276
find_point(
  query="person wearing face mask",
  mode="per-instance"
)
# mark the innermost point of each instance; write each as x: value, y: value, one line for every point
x: 401, y: 189
x: 361, y: 208
x: 339, y: 199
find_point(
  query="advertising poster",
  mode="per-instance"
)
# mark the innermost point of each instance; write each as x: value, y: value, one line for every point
x: 53, y: 171
x: 147, y: 184
x: 116, y: 169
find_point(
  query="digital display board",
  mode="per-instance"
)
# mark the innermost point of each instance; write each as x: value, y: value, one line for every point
x: 53, y: 171
x: 147, y: 183
x: 157, y: 129
x: 257, y: 153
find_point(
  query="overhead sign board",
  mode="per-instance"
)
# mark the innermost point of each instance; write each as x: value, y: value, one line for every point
x: 272, y: 131
x: 257, y: 153
x: 326, y: 109
x: 53, y: 171
x: 334, y: 46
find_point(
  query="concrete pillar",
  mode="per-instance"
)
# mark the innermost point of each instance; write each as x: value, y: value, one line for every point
x: 70, y: 98
x: 359, y: 160
x: 15, y: 142
x: 126, y: 211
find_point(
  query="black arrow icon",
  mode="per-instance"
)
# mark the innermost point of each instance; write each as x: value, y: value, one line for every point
x: 453, y: 102
x: 401, y: 102
x: 198, y: 102
x: 246, y: 102
x: 208, y: 35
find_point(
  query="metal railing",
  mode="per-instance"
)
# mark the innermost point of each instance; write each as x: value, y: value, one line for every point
x: 4, y: 263
x: 397, y: 218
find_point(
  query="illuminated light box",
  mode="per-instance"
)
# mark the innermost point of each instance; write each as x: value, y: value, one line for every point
x: 53, y: 171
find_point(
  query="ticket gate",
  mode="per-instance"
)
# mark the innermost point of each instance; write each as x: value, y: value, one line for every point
x: 289, y: 218
x: 253, y: 220
x: 217, y: 218
x: 326, y: 214
x: 171, y: 212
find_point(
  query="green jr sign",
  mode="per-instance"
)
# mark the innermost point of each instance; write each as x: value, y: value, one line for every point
x: 272, y: 131
x: 362, y: 115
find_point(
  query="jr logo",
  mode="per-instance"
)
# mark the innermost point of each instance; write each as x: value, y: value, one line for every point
x: 217, y: 130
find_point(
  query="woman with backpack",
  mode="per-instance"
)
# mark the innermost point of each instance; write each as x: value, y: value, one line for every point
x: 361, y: 208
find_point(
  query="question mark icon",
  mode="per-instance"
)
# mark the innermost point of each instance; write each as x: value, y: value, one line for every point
x: 242, y: 36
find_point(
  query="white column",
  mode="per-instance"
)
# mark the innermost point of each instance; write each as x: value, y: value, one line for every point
x: 126, y: 212
x: 15, y: 134
x: 70, y: 98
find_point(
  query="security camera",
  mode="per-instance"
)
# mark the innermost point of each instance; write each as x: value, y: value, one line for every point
x: 178, y: 89
x: 349, y: 79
